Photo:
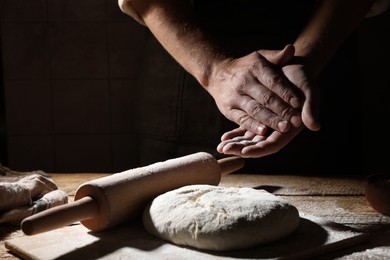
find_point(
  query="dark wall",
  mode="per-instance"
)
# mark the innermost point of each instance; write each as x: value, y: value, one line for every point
x: 68, y: 71
x: 69, y: 67
x: 3, y: 138
x: 374, y: 40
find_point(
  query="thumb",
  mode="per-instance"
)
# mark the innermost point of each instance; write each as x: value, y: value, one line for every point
x: 279, y: 57
x: 310, y: 111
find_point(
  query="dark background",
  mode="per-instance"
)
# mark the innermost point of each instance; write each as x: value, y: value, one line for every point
x: 66, y: 75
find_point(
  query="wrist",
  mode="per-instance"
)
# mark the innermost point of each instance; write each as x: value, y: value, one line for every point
x: 213, y: 70
x: 311, y: 57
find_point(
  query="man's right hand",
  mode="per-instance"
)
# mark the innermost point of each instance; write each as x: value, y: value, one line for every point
x: 253, y: 91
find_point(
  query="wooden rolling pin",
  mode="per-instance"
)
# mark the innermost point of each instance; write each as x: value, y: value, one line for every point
x: 112, y: 200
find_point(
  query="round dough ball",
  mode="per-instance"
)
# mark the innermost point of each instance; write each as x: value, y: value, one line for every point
x: 219, y: 218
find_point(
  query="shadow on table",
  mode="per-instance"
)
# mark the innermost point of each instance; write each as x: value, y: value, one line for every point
x: 312, y: 238
x: 269, y: 188
x: 308, y: 235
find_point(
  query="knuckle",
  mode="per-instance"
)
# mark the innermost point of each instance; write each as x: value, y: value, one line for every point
x: 286, y: 113
x: 273, y: 123
x: 260, y: 65
x: 285, y: 94
x: 248, y: 123
x: 255, y: 109
x: 273, y: 81
x: 242, y: 119
x: 242, y: 84
x: 268, y: 98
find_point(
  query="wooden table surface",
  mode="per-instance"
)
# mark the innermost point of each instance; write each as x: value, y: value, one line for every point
x: 337, y: 199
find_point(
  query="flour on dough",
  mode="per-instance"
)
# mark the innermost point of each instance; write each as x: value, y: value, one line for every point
x: 220, y: 218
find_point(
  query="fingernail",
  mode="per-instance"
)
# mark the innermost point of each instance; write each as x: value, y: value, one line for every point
x: 295, y: 102
x: 283, y: 126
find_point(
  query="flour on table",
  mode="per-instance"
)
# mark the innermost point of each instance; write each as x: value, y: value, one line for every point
x: 220, y: 218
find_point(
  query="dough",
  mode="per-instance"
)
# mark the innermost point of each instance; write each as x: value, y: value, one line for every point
x: 219, y: 218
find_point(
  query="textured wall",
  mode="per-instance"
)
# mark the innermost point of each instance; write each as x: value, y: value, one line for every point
x: 69, y: 67
x: 68, y: 71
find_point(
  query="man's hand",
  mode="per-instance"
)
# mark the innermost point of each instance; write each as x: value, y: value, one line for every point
x: 253, y: 91
x: 246, y: 144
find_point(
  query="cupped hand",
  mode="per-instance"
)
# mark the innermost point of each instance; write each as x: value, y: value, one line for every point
x: 243, y: 143
x: 253, y: 91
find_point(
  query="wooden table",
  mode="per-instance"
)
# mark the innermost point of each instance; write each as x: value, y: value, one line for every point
x: 337, y: 199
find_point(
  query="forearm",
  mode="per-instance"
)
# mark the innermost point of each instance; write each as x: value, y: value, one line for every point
x: 173, y: 23
x: 331, y: 23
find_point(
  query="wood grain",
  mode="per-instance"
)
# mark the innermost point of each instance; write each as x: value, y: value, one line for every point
x: 314, y: 237
x: 346, y: 209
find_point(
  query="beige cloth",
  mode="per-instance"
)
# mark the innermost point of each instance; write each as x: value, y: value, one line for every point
x: 25, y: 193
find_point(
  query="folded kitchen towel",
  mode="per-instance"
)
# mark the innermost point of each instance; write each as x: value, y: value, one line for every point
x: 25, y: 193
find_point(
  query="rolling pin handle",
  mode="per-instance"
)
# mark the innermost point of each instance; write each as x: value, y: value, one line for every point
x: 231, y: 164
x: 60, y: 216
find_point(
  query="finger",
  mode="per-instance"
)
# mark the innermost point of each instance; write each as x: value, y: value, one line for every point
x: 272, y: 144
x: 245, y: 120
x: 239, y: 131
x: 235, y: 147
x: 253, y: 113
x: 310, y: 109
x: 231, y: 146
x: 248, y: 123
x: 275, y: 81
x: 239, y: 138
x: 261, y: 149
x: 255, y: 99
x: 310, y: 115
x: 272, y: 102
